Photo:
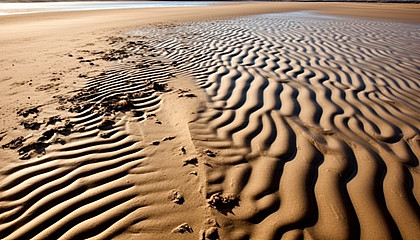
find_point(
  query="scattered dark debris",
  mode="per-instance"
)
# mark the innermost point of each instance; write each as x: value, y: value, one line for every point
x: 55, y: 79
x: 105, y: 134
x: 15, y: 143
x: 65, y: 129
x: 83, y: 94
x: 53, y: 120
x: 181, y: 91
x: 188, y: 95
x: 185, y: 93
x: 46, y: 87
x: 155, y: 143
x: 176, y: 197
x: 113, y: 104
x: 60, y: 141
x: 113, y: 39
x: 31, y: 124
x: 98, y: 52
x: 115, y: 54
x: 138, y: 113
x: 210, y: 153
x: 139, y: 95
x: 142, y: 65
x: 159, y: 86
x: 191, y: 161
x: 38, y: 147
x: 223, y: 203
x: 26, y: 112
x: 79, y: 129
x: 47, y: 135
x: 169, y: 138
x: 106, y: 124
x: 123, y: 104
x: 183, y: 150
x: 183, y: 228
x: 79, y: 108
x: 61, y: 98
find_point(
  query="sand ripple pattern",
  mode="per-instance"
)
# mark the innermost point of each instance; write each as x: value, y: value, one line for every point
x: 315, y: 121
x: 85, y: 189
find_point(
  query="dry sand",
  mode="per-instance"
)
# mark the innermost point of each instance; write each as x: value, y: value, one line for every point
x: 192, y: 123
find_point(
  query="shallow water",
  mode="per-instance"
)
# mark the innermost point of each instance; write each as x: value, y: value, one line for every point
x: 22, y: 8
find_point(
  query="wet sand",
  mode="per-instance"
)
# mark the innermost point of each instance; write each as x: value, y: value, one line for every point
x: 207, y: 123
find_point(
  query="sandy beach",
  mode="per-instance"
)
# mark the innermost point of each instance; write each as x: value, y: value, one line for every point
x: 229, y: 121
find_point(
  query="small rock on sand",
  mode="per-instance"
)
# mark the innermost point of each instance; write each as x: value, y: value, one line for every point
x: 183, y: 228
x: 191, y: 161
x: 220, y: 202
x: 26, y: 112
x: 209, y: 234
x: 176, y: 197
x: 210, y: 153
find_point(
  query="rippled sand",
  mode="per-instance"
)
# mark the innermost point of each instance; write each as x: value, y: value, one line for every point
x: 290, y: 125
x: 315, y: 121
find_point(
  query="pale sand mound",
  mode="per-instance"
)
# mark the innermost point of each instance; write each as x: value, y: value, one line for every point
x: 307, y: 126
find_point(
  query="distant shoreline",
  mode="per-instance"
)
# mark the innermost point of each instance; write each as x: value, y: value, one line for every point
x: 40, y: 7
x: 332, y: 1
